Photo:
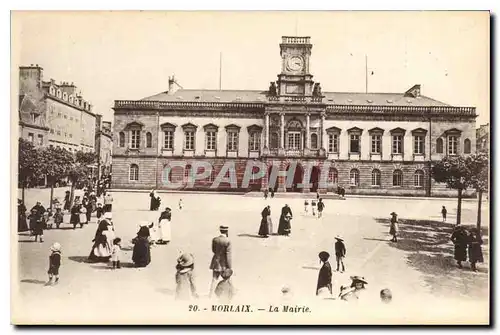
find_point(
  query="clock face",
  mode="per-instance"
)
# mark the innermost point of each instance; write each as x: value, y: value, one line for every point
x: 295, y: 63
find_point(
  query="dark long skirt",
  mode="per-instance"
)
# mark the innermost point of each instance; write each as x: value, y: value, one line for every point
x: 475, y: 253
x: 152, y: 203
x: 22, y: 224
x: 107, y: 208
x: 264, y: 227
x: 461, y: 252
x: 141, y: 255
x: 96, y: 259
x: 284, y: 227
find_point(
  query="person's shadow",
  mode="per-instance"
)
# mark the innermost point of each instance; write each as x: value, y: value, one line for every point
x: 33, y: 281
x: 249, y: 235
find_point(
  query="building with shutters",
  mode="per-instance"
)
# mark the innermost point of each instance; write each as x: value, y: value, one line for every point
x: 374, y: 143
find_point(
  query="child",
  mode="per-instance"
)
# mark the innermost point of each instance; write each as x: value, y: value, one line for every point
x: 325, y: 273
x: 83, y: 215
x: 340, y: 252
x: 180, y: 203
x: 48, y: 217
x: 225, y: 290
x: 54, y: 263
x: 306, y: 206
x: 386, y: 295
x: 313, y: 207
x: 116, y: 253
x: 58, y: 217
x: 99, y: 211
x: 444, y: 212
x: 184, y: 278
x: 321, y: 206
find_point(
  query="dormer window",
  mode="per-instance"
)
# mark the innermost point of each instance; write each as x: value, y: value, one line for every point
x: 65, y: 96
x: 59, y: 94
x: 52, y: 90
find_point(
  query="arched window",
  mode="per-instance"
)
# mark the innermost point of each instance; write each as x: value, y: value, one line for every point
x: 354, y: 177
x: 418, y: 178
x: 65, y: 96
x: 314, y: 141
x: 59, y: 94
x: 333, y: 176
x: 397, y: 178
x: 376, y: 177
x: 439, y: 146
x: 134, y: 172
x: 467, y: 146
x: 71, y: 99
x: 275, y: 139
x: 121, y: 139
x: 52, y: 90
x: 149, y: 140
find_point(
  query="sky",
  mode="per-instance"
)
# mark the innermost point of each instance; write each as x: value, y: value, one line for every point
x: 130, y: 55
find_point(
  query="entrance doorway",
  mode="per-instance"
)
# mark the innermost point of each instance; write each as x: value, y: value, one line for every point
x: 272, y: 184
x: 297, y: 178
x: 315, y: 173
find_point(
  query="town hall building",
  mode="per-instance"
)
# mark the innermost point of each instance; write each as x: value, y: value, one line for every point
x: 374, y: 143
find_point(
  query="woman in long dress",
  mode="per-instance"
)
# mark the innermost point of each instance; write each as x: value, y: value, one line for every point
x: 264, y: 230
x: 141, y: 255
x: 101, y: 249
x: 394, y: 229
x: 284, y: 227
x: 165, y: 227
x: 22, y: 224
x: 152, y: 200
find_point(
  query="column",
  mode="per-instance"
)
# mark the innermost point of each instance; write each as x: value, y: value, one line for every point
x: 282, y: 131
x: 323, y: 135
x: 308, y: 130
x: 266, y: 131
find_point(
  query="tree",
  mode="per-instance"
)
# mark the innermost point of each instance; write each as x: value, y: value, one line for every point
x: 80, y: 169
x: 29, y: 163
x: 55, y: 164
x: 479, y: 167
x: 456, y: 173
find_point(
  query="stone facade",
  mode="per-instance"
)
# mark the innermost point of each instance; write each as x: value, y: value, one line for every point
x: 58, y: 112
x: 372, y: 143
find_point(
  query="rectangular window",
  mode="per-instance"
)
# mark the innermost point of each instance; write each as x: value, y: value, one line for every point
x: 59, y: 132
x: 31, y: 137
x: 254, y: 141
x: 376, y: 144
x: 333, y: 143
x: 294, y: 140
x: 135, y: 138
x: 418, y: 145
x: 168, y: 142
x: 40, y: 139
x: 354, y: 144
x: 397, y: 144
x: 211, y: 140
x: 452, y: 145
x: 232, y: 141
x: 189, y: 140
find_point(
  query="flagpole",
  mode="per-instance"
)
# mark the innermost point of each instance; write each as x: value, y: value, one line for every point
x: 366, y: 74
x: 220, y: 71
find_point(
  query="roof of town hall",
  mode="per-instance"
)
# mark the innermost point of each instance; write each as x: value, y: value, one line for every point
x: 259, y: 96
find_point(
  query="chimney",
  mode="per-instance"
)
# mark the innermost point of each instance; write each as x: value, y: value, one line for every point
x: 172, y: 85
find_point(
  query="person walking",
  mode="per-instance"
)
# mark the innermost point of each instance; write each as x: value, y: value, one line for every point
x: 321, y: 206
x: 184, y: 278
x: 221, y: 260
x: 141, y: 254
x: 108, y: 202
x: 325, y: 273
x: 284, y: 227
x: 475, y: 252
x: 22, y: 224
x: 313, y: 207
x: 394, y: 227
x: 443, y: 213
x: 225, y: 289
x: 67, y: 202
x: 116, y: 251
x: 306, y: 207
x: 460, y: 239
x: 264, y: 229
x: 165, y: 227
x: 340, y: 252
x: 75, y: 215
x: 36, y: 224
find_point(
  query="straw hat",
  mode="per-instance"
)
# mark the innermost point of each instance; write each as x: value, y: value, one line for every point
x: 338, y: 237
x: 55, y: 247
x: 185, y: 260
x: 358, y: 279
x: 224, y: 228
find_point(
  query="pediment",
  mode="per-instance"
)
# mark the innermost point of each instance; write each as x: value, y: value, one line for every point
x: 254, y: 128
x: 376, y: 130
x: 210, y: 126
x: 232, y: 126
x: 333, y: 130
x: 419, y: 131
x: 168, y: 125
x: 354, y: 130
x: 398, y: 130
x: 189, y: 125
x: 134, y: 124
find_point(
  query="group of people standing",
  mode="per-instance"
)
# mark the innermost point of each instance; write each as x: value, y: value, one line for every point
x: 467, y: 242
x: 266, y: 223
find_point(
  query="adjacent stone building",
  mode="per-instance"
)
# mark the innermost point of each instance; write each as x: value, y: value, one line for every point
x: 104, y: 145
x: 483, y: 138
x: 54, y: 114
x: 375, y: 143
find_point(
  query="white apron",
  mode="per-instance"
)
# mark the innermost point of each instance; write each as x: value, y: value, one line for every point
x: 164, y: 230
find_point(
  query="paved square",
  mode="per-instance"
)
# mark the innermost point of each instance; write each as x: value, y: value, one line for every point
x: 420, y: 266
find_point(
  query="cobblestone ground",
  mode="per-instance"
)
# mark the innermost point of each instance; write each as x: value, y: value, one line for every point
x: 419, y: 269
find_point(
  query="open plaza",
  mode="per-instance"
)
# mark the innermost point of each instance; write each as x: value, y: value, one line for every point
x: 419, y: 269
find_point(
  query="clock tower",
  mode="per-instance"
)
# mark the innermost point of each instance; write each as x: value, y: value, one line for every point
x: 295, y: 78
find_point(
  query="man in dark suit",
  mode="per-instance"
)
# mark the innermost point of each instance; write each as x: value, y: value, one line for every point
x: 221, y: 247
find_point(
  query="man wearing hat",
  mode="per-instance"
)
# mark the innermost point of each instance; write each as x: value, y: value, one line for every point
x: 221, y: 247
x: 340, y: 252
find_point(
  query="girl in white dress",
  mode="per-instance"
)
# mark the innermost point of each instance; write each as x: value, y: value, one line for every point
x: 164, y: 227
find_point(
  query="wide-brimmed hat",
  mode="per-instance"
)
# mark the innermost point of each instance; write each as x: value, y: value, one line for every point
x: 358, y: 279
x: 285, y: 289
x: 185, y: 260
x: 108, y: 215
x: 324, y: 255
x: 168, y: 209
x: 340, y: 238
x: 393, y: 213
x: 223, y: 228
x: 55, y: 247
